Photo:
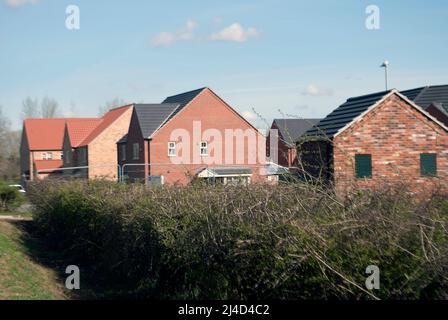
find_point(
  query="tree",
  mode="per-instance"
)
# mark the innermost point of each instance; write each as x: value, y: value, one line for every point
x: 5, y: 126
x: 115, y: 103
x: 9, y: 144
x: 30, y: 108
x: 49, y: 108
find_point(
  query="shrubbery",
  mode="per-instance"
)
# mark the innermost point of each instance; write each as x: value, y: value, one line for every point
x: 290, y: 241
x: 10, y: 197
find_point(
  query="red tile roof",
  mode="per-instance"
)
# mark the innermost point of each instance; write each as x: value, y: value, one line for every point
x: 45, y: 134
x: 108, y: 119
x: 48, y: 134
x: 48, y: 164
x: 79, y: 129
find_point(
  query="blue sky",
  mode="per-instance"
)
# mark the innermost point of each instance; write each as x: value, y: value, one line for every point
x: 301, y: 57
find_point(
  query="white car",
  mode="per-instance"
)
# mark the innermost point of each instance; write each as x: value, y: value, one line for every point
x: 19, y: 187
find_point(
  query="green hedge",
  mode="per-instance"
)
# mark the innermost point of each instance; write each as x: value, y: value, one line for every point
x: 291, y: 241
x: 10, y: 197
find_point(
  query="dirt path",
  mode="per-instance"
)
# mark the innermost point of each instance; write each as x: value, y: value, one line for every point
x: 15, y: 218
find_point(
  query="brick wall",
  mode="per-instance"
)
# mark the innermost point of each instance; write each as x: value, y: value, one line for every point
x: 286, y: 156
x: 102, y: 151
x: 133, y: 169
x: 395, y: 134
x: 213, y: 113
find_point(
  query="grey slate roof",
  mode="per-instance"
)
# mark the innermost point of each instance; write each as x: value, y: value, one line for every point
x: 354, y: 107
x: 231, y: 171
x: 228, y: 171
x: 183, y: 99
x: 431, y: 95
x: 153, y: 116
x: 345, y: 114
x: 292, y: 129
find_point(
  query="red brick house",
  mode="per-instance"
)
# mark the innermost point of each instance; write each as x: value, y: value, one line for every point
x: 191, y: 135
x: 41, y: 148
x: 379, y: 138
x: 288, y: 131
x: 90, y: 144
x: 76, y: 131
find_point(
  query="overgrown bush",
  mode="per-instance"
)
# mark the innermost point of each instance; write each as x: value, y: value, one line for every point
x: 10, y: 197
x: 291, y: 241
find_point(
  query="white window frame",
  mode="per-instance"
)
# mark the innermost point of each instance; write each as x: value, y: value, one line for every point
x: 204, y: 147
x: 47, y: 155
x: 136, y: 151
x: 171, y: 149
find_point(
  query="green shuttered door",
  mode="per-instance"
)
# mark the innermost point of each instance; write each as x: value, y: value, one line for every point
x: 428, y: 164
x: 363, y: 166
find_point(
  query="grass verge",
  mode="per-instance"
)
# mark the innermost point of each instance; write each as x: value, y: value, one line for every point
x: 22, y: 278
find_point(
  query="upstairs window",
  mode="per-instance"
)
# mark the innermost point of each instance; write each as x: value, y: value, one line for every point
x: 363, y: 166
x: 136, y: 151
x: 47, y: 156
x: 204, y: 148
x: 428, y: 164
x: 171, y: 149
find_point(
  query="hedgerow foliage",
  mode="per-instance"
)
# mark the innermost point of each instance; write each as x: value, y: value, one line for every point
x: 292, y: 241
x: 10, y: 197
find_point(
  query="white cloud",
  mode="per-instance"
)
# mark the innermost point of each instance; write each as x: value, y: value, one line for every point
x: 314, y: 90
x: 185, y: 33
x: 19, y: 3
x: 235, y: 33
x: 249, y: 115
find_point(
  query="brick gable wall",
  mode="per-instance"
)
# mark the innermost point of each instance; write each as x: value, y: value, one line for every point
x: 213, y: 113
x: 395, y: 134
x: 102, y: 151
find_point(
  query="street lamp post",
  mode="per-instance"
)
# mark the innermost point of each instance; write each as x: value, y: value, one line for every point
x: 385, y: 65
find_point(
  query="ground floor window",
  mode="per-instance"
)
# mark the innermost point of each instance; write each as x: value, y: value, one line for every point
x: 363, y: 166
x: 428, y: 164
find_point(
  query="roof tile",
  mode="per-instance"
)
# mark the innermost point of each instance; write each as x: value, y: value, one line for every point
x: 79, y: 129
x: 48, y: 164
x: 108, y: 119
x: 45, y: 134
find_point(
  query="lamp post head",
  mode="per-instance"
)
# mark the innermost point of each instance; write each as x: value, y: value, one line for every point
x: 385, y: 64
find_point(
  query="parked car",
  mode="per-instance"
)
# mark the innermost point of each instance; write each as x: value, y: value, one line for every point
x: 19, y: 187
